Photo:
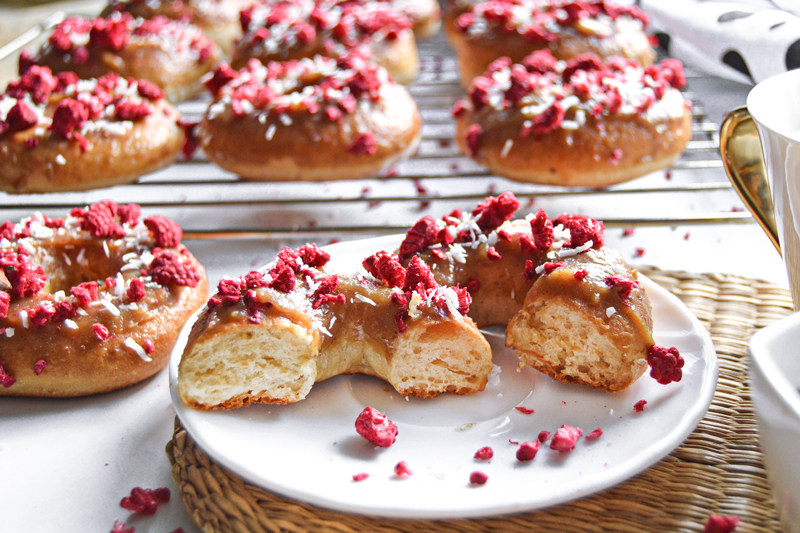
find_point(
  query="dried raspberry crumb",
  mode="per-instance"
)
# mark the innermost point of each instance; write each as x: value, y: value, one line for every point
x: 493, y: 254
x: 19, y: 118
x: 402, y: 469
x: 582, y: 230
x: 565, y: 438
x: 616, y: 156
x: 473, y: 285
x: 99, y: 219
x: 624, y: 284
x: 721, y: 524
x: 68, y: 117
x: 26, y: 278
x: 473, y: 139
x: 5, y: 303
x: 549, y: 267
x: 136, y: 290
x: 627, y: 232
x: 478, y: 478
x: 420, y: 236
x: 166, y: 233
x: 596, y: 434
x: 530, y: 270
x: 5, y: 378
x: 492, y: 212
x: 324, y: 293
x: 313, y: 256
x: 542, y: 230
x: 639, y: 252
x: 580, y: 275
x: 144, y: 502
x: 364, y: 144
x: 543, y: 436
x: 376, y: 427
x: 514, y: 442
x: 484, y: 454
x: 524, y: 410
x: 149, y: 347
x: 100, y: 331
x: 419, y: 277
x: 360, y: 477
x: 39, y: 316
x: 639, y: 406
x: 686, y: 236
x: 665, y: 364
x: 119, y: 527
x: 385, y: 267
x: 166, y: 268
x: 527, y: 451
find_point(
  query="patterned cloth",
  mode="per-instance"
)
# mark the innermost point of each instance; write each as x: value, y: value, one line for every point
x: 746, y: 41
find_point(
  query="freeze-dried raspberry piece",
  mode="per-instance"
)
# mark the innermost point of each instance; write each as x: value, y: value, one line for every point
x: 132, y: 111
x: 419, y: 277
x: 149, y: 90
x: 520, y: 84
x: 6, y: 379
x: 364, y: 144
x: 68, y: 117
x: 478, y: 478
x: 39, y: 366
x: 166, y: 233
x: 39, y: 316
x: 543, y: 436
x: 313, y: 256
x: 324, y: 292
x: 639, y: 406
x: 36, y: 81
x: 144, y: 502
x: 542, y: 230
x: 484, y: 454
x: 464, y: 300
x: 585, y: 62
x: 290, y: 258
x: 545, y: 122
x: 100, y: 331
x: 551, y: 266
x: 129, y: 214
x: 229, y: 291
x: 665, y: 364
x: 99, y: 220
x: 580, y: 275
x: 376, y: 427
x: 582, y: 229
x: 167, y: 268
x: 624, y: 284
x: 721, y: 524
x: 20, y: 118
x: 672, y: 71
x: 63, y: 310
x: 25, y: 277
x: 492, y: 212
x: 254, y: 280
x: 283, y: 277
x: 540, y: 62
x: 472, y: 136
x: 421, y: 235
x: 5, y: 303
x: 119, y: 527
x: 565, y: 438
x: 402, y: 469
x: 111, y: 33
x: 7, y: 230
x: 595, y: 434
x: 136, y: 291
x: 360, y: 477
x: 527, y: 451
x: 529, y: 272
x: 385, y: 267
x: 85, y: 293
x: 524, y: 410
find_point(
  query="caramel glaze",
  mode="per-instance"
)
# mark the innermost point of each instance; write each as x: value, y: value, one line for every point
x: 360, y: 336
x: 78, y: 362
x: 240, y: 144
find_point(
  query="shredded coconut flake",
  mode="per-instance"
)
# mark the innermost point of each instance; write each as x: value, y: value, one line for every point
x: 61, y: 160
x: 23, y: 316
x: 70, y: 323
x: 506, y: 148
x: 130, y: 343
x: 364, y: 299
x: 111, y: 308
x: 610, y: 312
x: 9, y: 332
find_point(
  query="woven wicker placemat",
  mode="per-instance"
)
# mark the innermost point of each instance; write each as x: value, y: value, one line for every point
x: 718, y: 469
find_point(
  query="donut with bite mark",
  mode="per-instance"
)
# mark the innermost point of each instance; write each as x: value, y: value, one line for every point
x: 172, y: 54
x: 311, y: 120
x: 59, y: 133
x: 92, y: 302
x: 579, y: 123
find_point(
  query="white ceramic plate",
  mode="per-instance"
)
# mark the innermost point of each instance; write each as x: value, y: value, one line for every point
x: 310, y: 450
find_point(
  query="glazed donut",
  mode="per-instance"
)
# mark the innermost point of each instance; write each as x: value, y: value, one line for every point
x: 58, y: 133
x: 573, y: 309
x: 270, y: 335
x: 313, y: 119
x: 295, y: 29
x: 92, y: 302
x: 219, y: 19
x: 172, y: 54
x: 576, y: 123
x: 568, y: 28
x: 425, y: 15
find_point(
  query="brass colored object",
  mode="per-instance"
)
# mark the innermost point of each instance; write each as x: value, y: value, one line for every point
x: 740, y: 147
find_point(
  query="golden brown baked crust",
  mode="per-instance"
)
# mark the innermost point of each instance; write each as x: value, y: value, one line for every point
x: 352, y: 138
x: 219, y: 19
x: 296, y: 29
x: 111, y: 144
x: 578, y: 130
x: 573, y: 309
x: 508, y: 31
x: 271, y: 346
x: 172, y: 54
x: 108, y: 308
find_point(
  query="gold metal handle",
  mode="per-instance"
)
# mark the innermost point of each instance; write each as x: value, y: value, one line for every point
x: 743, y: 160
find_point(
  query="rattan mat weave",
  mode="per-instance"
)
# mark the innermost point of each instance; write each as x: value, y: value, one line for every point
x: 718, y: 469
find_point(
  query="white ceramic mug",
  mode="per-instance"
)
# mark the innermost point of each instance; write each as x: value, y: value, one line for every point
x: 774, y: 107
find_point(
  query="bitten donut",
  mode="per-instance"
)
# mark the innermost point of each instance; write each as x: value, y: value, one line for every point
x: 269, y: 336
x: 172, y: 54
x: 573, y: 309
x: 314, y: 119
x: 59, y: 133
x: 576, y: 123
x: 295, y: 29
x: 92, y: 302
x: 218, y: 18
x: 568, y: 28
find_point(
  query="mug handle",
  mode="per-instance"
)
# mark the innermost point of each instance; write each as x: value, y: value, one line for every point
x: 740, y: 147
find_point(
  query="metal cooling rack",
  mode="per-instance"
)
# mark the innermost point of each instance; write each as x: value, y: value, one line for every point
x: 212, y: 204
